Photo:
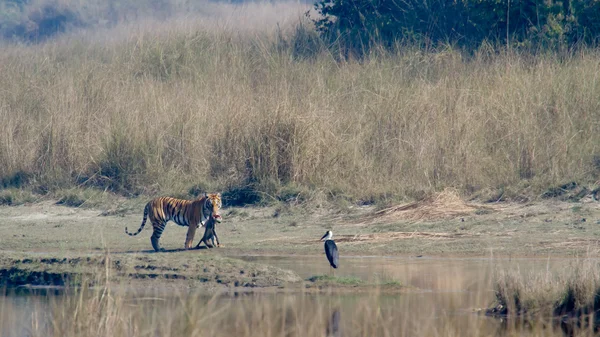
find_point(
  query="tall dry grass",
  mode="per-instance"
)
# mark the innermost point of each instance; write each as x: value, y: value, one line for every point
x: 165, y: 106
x: 571, y: 292
x: 109, y: 311
x: 447, y: 308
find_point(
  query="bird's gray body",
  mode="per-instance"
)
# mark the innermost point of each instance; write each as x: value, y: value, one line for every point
x: 332, y: 253
x: 331, y: 249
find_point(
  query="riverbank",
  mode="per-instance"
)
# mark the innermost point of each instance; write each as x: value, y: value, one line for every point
x: 46, y: 242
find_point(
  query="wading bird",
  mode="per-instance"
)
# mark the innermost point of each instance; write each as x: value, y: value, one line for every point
x: 330, y: 250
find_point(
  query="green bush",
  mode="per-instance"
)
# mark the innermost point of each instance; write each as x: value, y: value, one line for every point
x: 356, y: 26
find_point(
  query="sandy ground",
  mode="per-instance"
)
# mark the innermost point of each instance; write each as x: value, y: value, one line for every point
x: 462, y: 229
x: 440, y: 226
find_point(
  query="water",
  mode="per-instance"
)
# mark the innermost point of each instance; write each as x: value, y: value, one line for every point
x: 427, y: 274
x: 443, y: 301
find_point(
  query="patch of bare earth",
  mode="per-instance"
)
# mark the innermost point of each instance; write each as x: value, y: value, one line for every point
x: 443, y: 205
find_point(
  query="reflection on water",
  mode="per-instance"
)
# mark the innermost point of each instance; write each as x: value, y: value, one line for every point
x: 423, y: 273
x: 427, y: 274
x: 333, y: 324
x: 449, y: 291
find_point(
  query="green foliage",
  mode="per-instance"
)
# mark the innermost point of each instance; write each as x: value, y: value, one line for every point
x: 356, y: 26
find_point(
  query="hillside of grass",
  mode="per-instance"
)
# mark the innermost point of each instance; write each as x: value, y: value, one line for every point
x: 183, y: 106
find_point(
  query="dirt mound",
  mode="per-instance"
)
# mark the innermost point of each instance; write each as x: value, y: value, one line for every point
x: 446, y: 204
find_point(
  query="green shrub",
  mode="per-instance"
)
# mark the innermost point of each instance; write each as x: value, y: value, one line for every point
x: 356, y: 26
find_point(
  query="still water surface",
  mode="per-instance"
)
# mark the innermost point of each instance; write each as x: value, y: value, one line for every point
x: 445, y: 295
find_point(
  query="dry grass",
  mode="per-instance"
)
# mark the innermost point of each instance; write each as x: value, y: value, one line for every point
x: 445, y: 204
x: 40, y: 20
x: 166, y: 108
x: 117, y: 311
x: 571, y: 295
x: 106, y: 313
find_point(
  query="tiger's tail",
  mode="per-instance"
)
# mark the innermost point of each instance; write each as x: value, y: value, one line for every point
x: 146, y: 211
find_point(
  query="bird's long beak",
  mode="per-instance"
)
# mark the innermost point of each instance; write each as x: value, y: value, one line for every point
x: 324, y: 236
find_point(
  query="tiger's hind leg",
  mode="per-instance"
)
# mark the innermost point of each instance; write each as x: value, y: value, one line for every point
x: 158, y: 229
x: 155, y: 243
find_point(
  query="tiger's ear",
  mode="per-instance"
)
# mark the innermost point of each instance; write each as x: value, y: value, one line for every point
x: 219, y: 194
x: 205, y: 195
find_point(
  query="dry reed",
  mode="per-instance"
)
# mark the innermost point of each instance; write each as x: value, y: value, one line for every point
x: 117, y: 311
x: 570, y: 295
x: 160, y: 108
x: 448, y: 308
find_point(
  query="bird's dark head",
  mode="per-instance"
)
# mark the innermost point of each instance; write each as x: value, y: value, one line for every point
x: 327, y: 236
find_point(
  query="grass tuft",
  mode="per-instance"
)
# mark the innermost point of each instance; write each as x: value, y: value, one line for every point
x: 15, y: 196
x: 332, y: 280
x: 574, y: 292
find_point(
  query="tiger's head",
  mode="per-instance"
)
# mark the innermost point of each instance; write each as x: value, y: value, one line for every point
x: 212, y: 205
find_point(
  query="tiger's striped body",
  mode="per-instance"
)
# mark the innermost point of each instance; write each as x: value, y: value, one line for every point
x: 190, y: 213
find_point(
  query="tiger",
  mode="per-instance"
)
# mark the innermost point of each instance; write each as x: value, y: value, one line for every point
x: 190, y: 213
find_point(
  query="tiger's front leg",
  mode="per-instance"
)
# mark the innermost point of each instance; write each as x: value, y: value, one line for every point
x: 189, y: 238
